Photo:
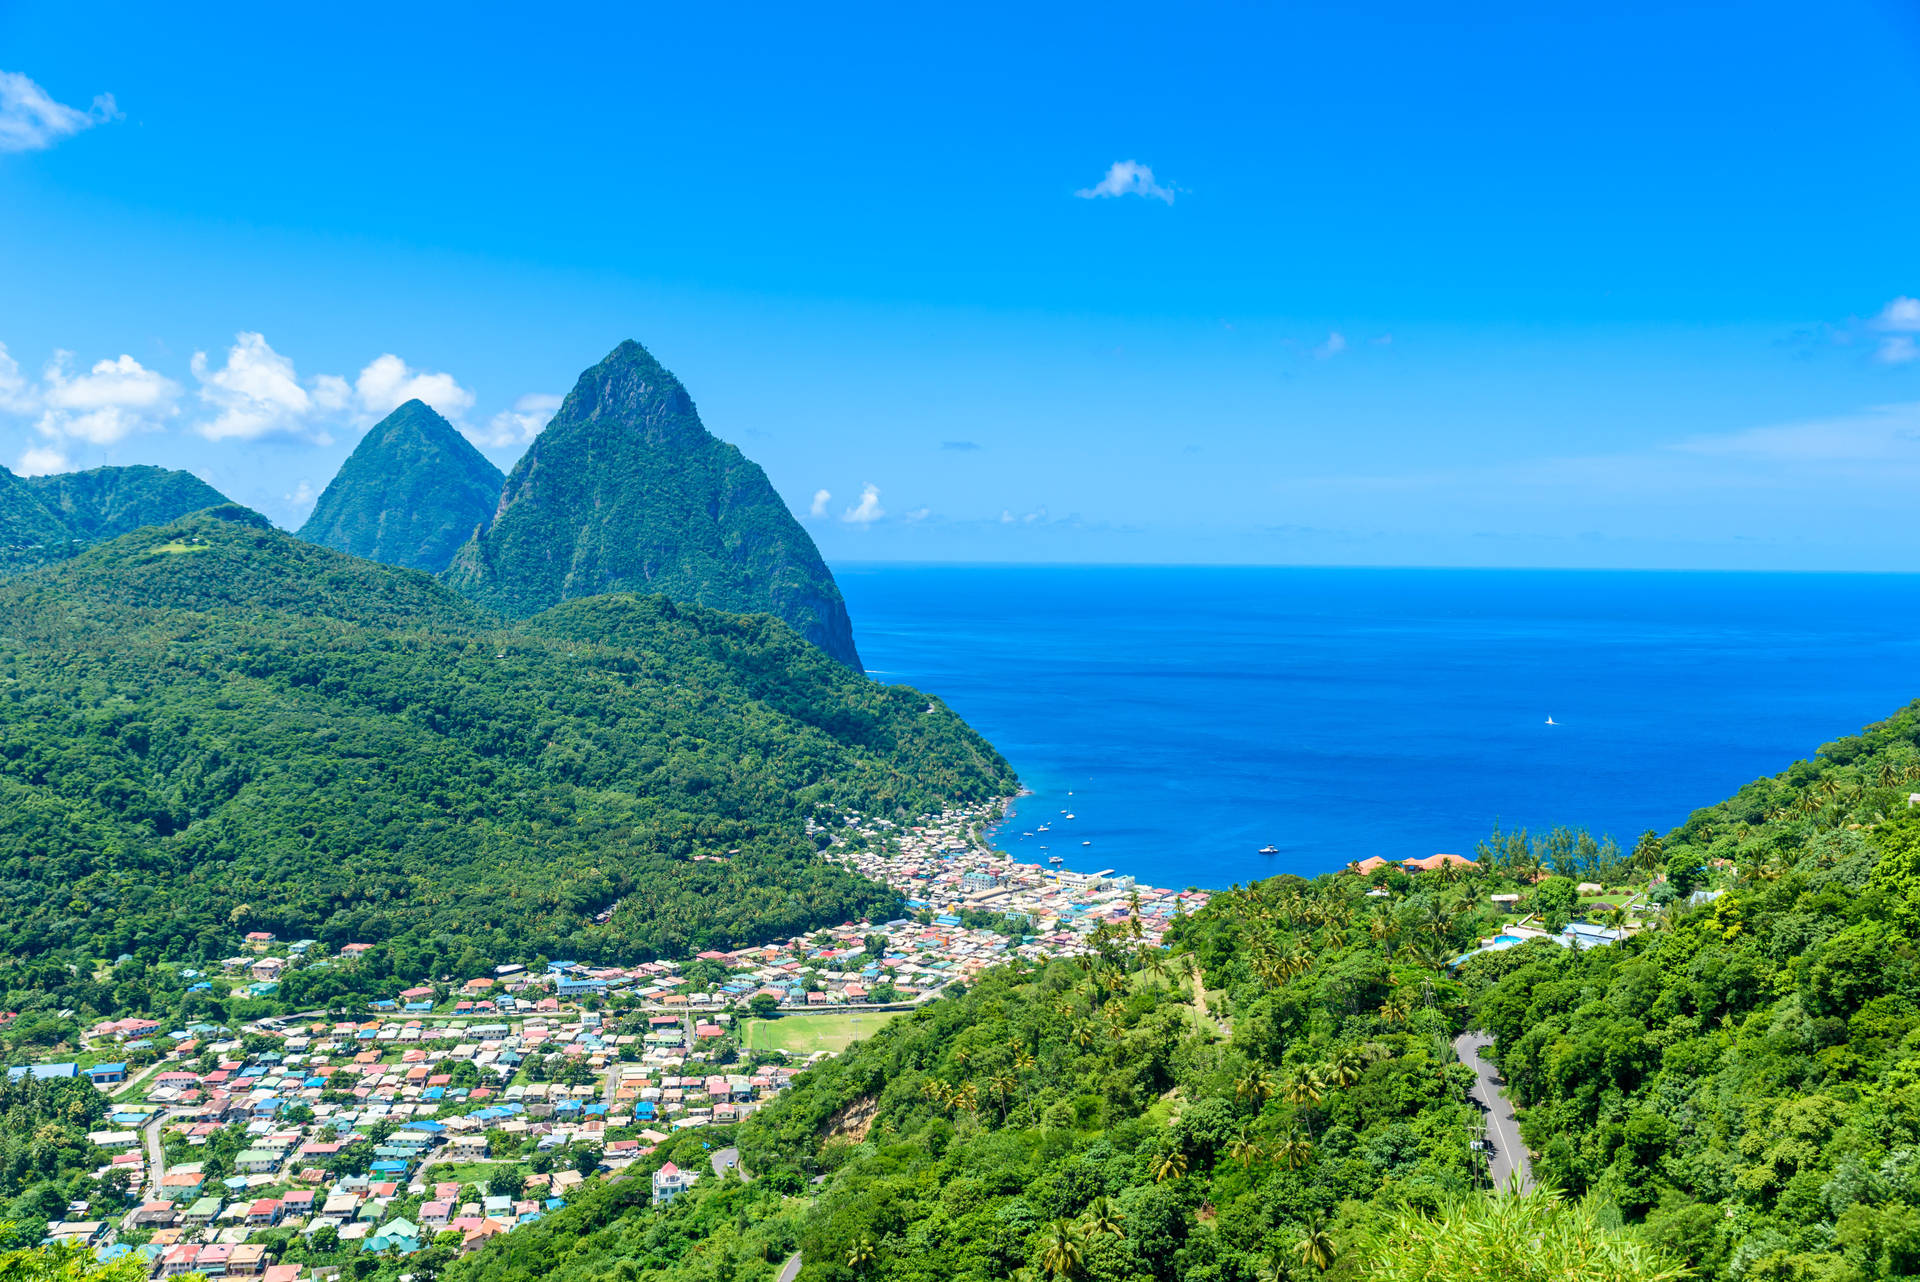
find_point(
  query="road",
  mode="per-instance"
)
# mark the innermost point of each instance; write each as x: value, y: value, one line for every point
x: 156, y: 1155
x: 1509, y: 1155
x: 729, y: 1157
x: 790, y: 1270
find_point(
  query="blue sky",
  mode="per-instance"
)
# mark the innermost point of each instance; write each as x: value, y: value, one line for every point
x: 1614, y: 285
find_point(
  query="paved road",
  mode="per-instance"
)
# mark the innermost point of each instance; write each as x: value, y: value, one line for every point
x: 724, y: 1158
x: 1509, y: 1155
x: 156, y: 1155
x: 790, y: 1270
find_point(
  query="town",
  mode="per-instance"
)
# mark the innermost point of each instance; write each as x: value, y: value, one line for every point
x: 444, y: 1114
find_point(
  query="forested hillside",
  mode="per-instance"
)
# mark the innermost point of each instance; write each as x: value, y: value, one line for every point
x: 626, y: 491
x: 1096, y: 1121
x: 1747, y: 1080
x: 212, y: 726
x: 44, y: 519
x: 1734, y: 1090
x: 411, y: 493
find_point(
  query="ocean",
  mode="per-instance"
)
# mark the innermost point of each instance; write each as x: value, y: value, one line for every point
x: 1187, y: 716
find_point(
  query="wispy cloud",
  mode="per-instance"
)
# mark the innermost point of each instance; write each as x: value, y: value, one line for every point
x: 820, y: 500
x: 30, y: 119
x: 1898, y: 321
x: 1127, y: 178
x: 867, y: 510
x: 1334, y: 344
x: 528, y: 417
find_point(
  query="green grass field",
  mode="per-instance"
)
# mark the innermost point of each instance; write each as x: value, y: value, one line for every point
x: 805, y: 1034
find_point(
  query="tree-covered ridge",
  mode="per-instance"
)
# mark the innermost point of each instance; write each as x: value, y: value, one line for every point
x: 411, y: 493
x: 626, y: 491
x: 1747, y: 1081
x: 1100, y: 1120
x: 213, y: 725
x: 44, y: 519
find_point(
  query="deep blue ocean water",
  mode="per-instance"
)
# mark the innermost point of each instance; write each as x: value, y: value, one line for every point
x: 1196, y: 714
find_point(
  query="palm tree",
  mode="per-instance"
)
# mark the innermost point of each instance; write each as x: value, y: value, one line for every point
x: 1302, y: 1086
x: 861, y: 1254
x: 1394, y: 1011
x: 1171, y: 1166
x: 1315, y: 1246
x: 1103, y: 1216
x: 1887, y: 776
x: 1273, y: 1269
x: 1344, y: 1069
x: 1060, y: 1250
x: 1244, y: 1148
x: 1293, y: 1151
x: 1258, y: 1084
x: 1083, y: 1035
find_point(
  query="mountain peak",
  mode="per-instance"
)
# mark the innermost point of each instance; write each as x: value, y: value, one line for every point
x: 627, y: 491
x: 410, y: 494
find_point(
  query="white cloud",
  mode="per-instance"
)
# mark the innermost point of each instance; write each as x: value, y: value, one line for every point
x: 820, y: 500
x: 255, y: 392
x: 302, y: 495
x: 1902, y: 313
x: 518, y: 425
x: 1335, y: 344
x: 388, y: 382
x: 332, y: 393
x: 30, y: 120
x: 1127, y: 178
x: 867, y: 510
x: 919, y: 514
x: 1896, y: 349
x: 38, y: 460
x: 110, y: 402
x: 15, y: 396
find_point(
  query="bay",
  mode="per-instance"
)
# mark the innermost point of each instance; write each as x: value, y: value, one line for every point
x: 1187, y: 716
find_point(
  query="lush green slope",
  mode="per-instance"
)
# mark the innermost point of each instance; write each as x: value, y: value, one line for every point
x: 106, y: 502
x: 213, y: 725
x: 1092, y: 1123
x: 411, y: 493
x: 44, y: 519
x: 1748, y: 1080
x: 626, y: 491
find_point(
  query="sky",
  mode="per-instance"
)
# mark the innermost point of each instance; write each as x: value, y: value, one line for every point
x: 1506, y: 284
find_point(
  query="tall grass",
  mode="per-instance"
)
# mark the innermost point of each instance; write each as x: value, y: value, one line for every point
x: 1511, y: 1237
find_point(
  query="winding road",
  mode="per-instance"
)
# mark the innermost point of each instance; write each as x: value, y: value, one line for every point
x: 1508, y: 1157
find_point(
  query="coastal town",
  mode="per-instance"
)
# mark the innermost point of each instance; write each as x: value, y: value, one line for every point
x: 447, y: 1113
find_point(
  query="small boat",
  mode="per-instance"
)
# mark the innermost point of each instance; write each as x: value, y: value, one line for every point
x: 1069, y: 816
x: 1055, y: 859
x: 1269, y: 850
x: 1551, y: 721
x: 1086, y: 843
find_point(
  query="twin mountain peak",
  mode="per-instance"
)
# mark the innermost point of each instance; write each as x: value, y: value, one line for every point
x: 624, y: 491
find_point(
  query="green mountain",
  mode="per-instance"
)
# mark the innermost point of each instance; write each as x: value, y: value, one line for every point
x: 411, y: 493
x: 44, y: 519
x: 107, y: 502
x: 213, y: 722
x: 1734, y: 1089
x: 626, y: 491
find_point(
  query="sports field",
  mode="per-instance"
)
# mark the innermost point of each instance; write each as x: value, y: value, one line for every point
x: 805, y: 1034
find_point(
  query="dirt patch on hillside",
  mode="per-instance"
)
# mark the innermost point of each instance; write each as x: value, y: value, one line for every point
x: 852, y: 1122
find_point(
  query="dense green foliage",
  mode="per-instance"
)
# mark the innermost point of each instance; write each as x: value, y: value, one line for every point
x: 1536, y: 1237
x: 44, y: 519
x: 46, y: 1159
x: 626, y: 491
x: 411, y: 493
x: 1096, y: 1121
x: 1747, y: 1080
x: 211, y: 727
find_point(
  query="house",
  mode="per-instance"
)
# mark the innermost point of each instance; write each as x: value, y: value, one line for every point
x: 107, y: 1074
x: 264, y: 1213
x: 215, y: 1258
x: 201, y: 1213
x: 247, y: 1260
x: 181, y: 1257
x: 258, y: 1161
x: 181, y: 1186
x: 259, y: 940
x: 670, y: 1181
